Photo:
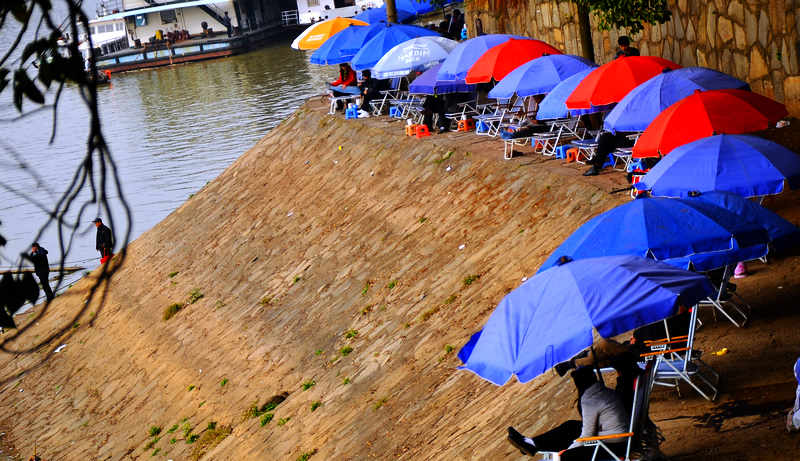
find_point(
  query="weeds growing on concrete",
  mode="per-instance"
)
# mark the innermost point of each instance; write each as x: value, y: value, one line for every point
x: 351, y: 333
x: 468, y: 280
x: 173, y: 429
x: 223, y: 382
x: 391, y: 284
x: 318, y: 352
x: 315, y: 405
x: 266, y: 418
x: 307, y: 455
x: 283, y: 421
x: 346, y: 381
x: 154, y: 431
x: 379, y: 403
x: 345, y: 351
x: 190, y: 388
x: 210, y: 438
x: 171, y: 310
x: 172, y: 274
x: 195, y: 295
x: 309, y: 384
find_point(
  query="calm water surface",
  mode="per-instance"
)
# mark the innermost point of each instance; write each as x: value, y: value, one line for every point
x: 170, y: 130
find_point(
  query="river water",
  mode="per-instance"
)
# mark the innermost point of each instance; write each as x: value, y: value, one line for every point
x: 170, y: 130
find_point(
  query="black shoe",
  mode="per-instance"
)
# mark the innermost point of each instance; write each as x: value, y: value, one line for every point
x: 518, y: 441
x: 591, y: 172
x: 563, y: 367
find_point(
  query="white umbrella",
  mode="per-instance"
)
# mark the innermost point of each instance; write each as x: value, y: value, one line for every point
x: 417, y: 54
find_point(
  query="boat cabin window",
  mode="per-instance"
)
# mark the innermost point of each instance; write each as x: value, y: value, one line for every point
x: 168, y: 16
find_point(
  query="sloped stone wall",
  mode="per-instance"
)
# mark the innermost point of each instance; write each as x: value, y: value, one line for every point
x: 754, y: 40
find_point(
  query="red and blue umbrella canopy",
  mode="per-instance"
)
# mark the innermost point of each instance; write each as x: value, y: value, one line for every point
x: 643, y: 104
x: 609, y: 83
x: 539, y: 76
x: 745, y: 165
x: 706, y: 113
x: 500, y: 60
x: 456, y: 66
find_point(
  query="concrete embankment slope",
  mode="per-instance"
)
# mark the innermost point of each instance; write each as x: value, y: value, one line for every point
x: 403, y: 245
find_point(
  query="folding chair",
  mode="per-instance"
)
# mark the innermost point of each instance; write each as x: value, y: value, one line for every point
x: 561, y: 130
x: 675, y: 363
x: 345, y: 99
x: 586, y: 148
x: 722, y: 301
x: 640, y: 419
x: 392, y: 94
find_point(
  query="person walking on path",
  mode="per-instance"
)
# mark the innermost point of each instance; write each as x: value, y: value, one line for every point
x: 105, y: 240
x: 42, y: 268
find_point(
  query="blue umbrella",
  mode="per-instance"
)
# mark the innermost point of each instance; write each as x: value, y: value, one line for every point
x: 385, y: 40
x: 539, y: 76
x: 639, y: 107
x: 427, y: 84
x: 782, y: 233
x: 417, y: 6
x: 745, y: 165
x: 416, y: 54
x: 661, y: 229
x: 551, y: 317
x: 361, y: 36
x: 331, y: 53
x: 456, y: 66
x: 554, y: 105
x: 374, y: 15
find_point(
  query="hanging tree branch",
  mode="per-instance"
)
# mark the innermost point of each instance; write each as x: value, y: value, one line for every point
x: 52, y: 59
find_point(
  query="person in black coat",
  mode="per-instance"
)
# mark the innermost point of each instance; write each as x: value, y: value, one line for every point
x: 42, y: 268
x: 105, y: 240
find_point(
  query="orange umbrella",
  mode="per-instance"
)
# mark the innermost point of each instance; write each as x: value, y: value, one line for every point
x: 706, y: 113
x: 316, y: 34
x: 610, y: 82
x: 500, y: 60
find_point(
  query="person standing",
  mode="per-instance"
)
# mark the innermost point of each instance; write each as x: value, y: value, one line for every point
x: 228, y: 25
x: 42, y: 268
x: 105, y: 240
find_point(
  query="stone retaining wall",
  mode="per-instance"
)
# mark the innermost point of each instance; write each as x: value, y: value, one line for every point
x: 754, y: 40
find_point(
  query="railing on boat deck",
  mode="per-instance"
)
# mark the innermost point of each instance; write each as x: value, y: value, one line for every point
x: 289, y: 17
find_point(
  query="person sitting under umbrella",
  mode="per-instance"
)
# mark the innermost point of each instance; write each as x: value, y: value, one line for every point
x: 370, y: 89
x: 347, y: 77
x: 602, y: 413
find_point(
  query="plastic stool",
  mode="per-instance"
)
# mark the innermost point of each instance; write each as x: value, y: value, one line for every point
x: 561, y: 151
x: 394, y: 111
x: 351, y: 112
x: 482, y: 127
x: 422, y: 131
x: 466, y: 125
x: 411, y: 130
x: 571, y: 155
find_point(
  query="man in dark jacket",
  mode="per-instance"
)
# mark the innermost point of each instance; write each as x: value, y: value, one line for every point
x: 105, y: 240
x: 42, y: 268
